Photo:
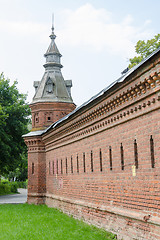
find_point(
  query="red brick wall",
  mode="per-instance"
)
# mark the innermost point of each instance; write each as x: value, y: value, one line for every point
x: 36, y: 170
x: 44, y: 114
x: 122, y: 126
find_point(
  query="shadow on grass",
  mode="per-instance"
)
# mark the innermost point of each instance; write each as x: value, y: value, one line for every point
x: 27, y: 222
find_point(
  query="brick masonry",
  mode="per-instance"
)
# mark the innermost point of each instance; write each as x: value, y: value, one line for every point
x: 102, y: 164
x: 44, y: 114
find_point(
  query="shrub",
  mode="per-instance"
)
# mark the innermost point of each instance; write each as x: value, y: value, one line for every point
x: 14, y: 187
x: 2, y: 188
x: 8, y: 187
x: 22, y: 184
x: 5, y: 188
x: 4, y: 181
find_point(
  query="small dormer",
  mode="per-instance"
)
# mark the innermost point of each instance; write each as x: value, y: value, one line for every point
x: 49, y: 86
x: 68, y: 84
x: 36, y: 85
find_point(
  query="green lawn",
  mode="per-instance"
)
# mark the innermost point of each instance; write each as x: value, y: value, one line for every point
x: 30, y: 222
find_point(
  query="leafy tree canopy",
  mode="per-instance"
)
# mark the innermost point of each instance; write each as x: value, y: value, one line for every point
x: 14, y: 119
x: 144, y: 49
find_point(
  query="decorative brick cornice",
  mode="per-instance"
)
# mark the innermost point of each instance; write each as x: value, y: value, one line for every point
x: 125, y: 115
x: 113, y: 109
x: 35, y: 144
x: 133, y: 92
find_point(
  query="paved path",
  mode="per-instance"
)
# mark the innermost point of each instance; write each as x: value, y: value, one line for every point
x: 15, y: 198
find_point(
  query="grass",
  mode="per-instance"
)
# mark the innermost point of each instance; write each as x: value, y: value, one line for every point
x: 30, y: 222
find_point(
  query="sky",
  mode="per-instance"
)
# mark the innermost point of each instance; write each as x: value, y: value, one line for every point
x: 96, y: 39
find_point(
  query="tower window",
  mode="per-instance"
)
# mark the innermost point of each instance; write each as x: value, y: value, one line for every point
x: 36, y: 117
x: 49, y: 118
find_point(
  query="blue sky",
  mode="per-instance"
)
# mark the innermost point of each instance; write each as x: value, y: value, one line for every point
x: 95, y: 37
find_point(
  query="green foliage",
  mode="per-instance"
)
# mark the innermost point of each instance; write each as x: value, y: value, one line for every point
x: 4, y: 189
x: 8, y: 187
x: 21, y: 172
x: 134, y: 61
x: 22, y: 184
x: 14, y: 119
x: 14, y: 187
x: 23, y: 221
x: 4, y: 180
x: 144, y: 49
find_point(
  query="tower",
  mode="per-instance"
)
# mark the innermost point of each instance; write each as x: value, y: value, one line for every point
x: 52, y: 99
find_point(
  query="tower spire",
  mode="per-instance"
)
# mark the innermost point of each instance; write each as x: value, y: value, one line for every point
x: 52, y: 36
x: 52, y: 55
x: 52, y: 23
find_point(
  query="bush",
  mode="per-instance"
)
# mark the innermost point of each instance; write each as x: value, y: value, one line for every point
x: 14, y: 187
x: 5, y: 188
x: 22, y: 184
x: 4, y: 181
x: 2, y: 186
x: 8, y: 187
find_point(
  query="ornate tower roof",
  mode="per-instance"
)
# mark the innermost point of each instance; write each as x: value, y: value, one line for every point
x: 52, y: 99
x: 52, y: 49
x: 52, y: 87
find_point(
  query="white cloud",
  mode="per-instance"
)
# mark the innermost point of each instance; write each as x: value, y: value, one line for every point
x: 23, y: 29
x: 147, y: 22
x: 127, y: 20
x: 86, y: 26
x: 96, y: 28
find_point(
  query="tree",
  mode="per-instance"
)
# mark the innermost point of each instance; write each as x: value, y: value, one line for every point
x: 144, y: 49
x: 14, y: 118
x: 21, y: 172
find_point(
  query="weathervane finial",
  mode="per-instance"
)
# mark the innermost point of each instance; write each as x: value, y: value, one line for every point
x: 52, y: 36
x: 52, y: 23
